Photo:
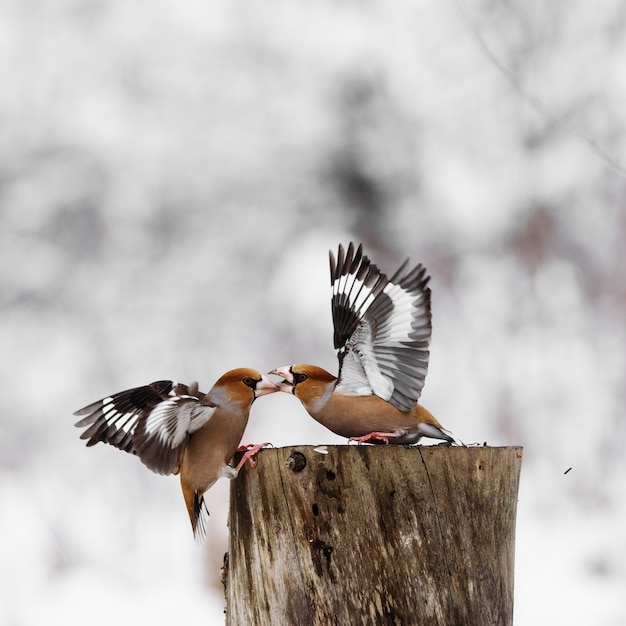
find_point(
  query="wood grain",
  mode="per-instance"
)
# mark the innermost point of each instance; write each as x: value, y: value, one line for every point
x: 374, y: 535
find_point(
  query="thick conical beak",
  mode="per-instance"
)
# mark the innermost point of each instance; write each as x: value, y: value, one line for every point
x: 265, y: 386
x: 286, y: 385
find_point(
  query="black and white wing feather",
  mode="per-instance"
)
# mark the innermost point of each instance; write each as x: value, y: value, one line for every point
x: 382, y: 328
x: 154, y: 422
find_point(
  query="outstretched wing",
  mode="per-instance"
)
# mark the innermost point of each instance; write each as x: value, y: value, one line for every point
x: 154, y: 422
x: 382, y: 328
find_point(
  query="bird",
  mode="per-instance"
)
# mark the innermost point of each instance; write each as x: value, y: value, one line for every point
x: 382, y: 331
x: 176, y: 429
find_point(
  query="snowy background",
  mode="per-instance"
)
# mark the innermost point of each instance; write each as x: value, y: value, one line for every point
x: 172, y: 176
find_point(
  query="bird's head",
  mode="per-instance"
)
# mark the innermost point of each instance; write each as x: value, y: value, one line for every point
x: 242, y: 386
x: 307, y: 382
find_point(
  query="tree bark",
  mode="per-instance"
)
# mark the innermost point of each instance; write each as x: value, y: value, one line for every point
x: 373, y: 535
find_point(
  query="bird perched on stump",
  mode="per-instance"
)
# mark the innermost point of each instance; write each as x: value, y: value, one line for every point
x: 382, y: 331
x: 174, y: 428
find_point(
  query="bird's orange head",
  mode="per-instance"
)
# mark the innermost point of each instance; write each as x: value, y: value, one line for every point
x: 309, y: 383
x: 241, y: 386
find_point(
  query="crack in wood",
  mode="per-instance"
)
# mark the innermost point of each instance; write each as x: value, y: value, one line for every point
x: 437, y: 517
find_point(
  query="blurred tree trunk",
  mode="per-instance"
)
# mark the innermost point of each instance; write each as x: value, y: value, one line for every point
x: 374, y: 535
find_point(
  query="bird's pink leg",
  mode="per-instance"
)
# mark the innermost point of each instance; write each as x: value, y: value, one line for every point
x: 375, y: 436
x: 250, y: 450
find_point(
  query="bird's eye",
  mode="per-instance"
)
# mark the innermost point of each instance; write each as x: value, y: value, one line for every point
x: 299, y: 378
x: 250, y: 382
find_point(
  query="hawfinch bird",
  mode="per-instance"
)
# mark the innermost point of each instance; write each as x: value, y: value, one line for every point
x: 382, y: 329
x: 175, y: 428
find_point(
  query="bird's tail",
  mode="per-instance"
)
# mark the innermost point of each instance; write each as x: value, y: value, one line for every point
x: 434, y: 432
x: 198, y: 512
x: 201, y: 514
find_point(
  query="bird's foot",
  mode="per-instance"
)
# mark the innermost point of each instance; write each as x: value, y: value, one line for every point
x: 373, y: 437
x: 249, y: 453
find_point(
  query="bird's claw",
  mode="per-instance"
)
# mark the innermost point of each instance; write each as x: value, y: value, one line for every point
x: 375, y: 436
x: 250, y: 451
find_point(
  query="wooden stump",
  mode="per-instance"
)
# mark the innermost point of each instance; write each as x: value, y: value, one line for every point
x: 373, y: 535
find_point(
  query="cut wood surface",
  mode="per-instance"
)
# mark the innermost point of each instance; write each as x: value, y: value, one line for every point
x: 373, y: 535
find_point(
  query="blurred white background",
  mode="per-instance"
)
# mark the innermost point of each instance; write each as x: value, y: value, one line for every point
x: 172, y: 176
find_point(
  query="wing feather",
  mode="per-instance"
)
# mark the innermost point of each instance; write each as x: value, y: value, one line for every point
x: 162, y: 435
x: 382, y: 327
x: 153, y: 422
x: 355, y: 284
